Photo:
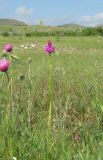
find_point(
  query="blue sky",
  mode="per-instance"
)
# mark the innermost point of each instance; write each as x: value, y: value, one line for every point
x: 54, y: 12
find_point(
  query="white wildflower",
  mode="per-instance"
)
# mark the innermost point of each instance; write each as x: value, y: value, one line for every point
x: 33, y: 45
x: 26, y: 47
x: 14, y: 158
x: 22, y: 46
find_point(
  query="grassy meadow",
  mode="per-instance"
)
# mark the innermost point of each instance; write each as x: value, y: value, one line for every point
x: 76, y: 131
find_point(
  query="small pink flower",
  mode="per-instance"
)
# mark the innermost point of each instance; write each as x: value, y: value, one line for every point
x: 8, y: 48
x: 4, y: 65
x: 49, y: 48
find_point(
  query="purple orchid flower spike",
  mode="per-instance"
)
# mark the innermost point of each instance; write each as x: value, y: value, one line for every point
x: 49, y: 48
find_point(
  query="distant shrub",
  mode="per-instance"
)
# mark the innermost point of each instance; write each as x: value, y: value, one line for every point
x: 100, y: 31
x: 89, y: 31
x: 41, y: 33
x: 53, y: 33
x: 69, y: 33
x: 5, y: 34
x: 28, y: 34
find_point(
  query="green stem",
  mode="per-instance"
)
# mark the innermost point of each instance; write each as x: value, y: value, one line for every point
x: 9, y: 106
x: 50, y: 104
x: 1, y: 87
x: 10, y: 92
x: 7, y: 77
x: 11, y: 89
x: 50, y: 92
x: 59, y: 87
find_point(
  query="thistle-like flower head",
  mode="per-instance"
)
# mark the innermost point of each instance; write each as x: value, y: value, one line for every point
x: 8, y: 47
x: 4, y: 65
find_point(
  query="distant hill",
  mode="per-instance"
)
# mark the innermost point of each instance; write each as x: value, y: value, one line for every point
x: 99, y: 25
x: 11, y: 22
x: 72, y: 26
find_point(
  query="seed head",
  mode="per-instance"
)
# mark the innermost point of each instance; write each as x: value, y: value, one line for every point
x: 21, y: 77
x: 29, y: 60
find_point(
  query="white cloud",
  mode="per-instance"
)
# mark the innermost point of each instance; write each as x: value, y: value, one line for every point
x: 24, y: 11
x: 91, y: 20
x: 24, y: 14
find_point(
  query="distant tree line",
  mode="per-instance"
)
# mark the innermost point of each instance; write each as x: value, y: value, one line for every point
x: 90, y: 31
x: 83, y: 32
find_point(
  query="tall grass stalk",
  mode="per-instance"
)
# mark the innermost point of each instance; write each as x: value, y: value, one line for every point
x: 11, y: 87
x: 29, y: 92
x: 9, y: 90
x: 20, y: 93
x: 59, y: 91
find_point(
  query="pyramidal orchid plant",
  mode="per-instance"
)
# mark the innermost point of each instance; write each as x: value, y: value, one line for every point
x: 49, y: 49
